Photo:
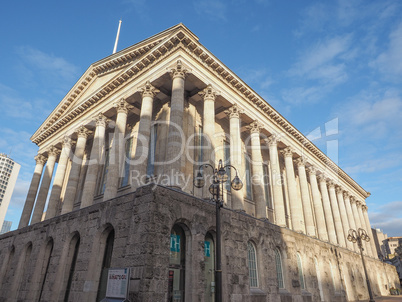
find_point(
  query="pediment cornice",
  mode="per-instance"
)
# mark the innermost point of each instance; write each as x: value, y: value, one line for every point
x: 141, y: 56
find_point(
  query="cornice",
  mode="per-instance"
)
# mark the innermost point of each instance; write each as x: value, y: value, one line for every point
x: 182, y: 38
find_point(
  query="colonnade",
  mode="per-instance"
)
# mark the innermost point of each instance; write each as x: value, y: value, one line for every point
x: 318, y: 206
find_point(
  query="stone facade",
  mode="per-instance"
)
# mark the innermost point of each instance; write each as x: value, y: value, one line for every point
x: 154, y: 113
x: 142, y: 222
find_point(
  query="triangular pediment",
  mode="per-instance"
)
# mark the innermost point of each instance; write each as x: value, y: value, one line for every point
x: 106, y: 74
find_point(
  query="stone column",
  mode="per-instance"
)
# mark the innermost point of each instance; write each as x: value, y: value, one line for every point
x: 305, y: 197
x: 44, y: 187
x: 351, y: 218
x: 209, y: 96
x: 327, y: 209
x: 374, y: 252
x: 336, y: 214
x: 138, y: 167
x: 117, y: 151
x: 359, y: 206
x: 279, y: 205
x: 54, y: 198
x: 176, y: 139
x: 258, y: 173
x: 356, y: 216
x: 344, y: 217
x: 318, y: 209
x: 296, y: 212
x: 74, y: 176
x: 96, y: 160
x: 33, y: 189
x: 236, y: 154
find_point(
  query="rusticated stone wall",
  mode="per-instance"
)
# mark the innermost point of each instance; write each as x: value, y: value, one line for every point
x: 142, y: 222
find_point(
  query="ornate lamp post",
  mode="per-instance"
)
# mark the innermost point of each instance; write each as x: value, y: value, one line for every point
x: 218, y: 179
x: 358, y: 236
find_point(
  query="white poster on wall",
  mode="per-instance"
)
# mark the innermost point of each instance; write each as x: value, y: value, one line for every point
x: 117, y: 283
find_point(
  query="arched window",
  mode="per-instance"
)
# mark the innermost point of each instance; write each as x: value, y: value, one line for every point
x: 252, y: 264
x: 19, y: 273
x: 209, y: 256
x: 73, y: 254
x: 332, y: 275
x: 6, y: 265
x: 45, y: 266
x: 317, y: 270
x: 107, y: 259
x: 300, y: 268
x: 177, y: 262
x: 279, y: 272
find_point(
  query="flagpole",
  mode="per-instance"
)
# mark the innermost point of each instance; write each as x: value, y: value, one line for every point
x: 117, y: 38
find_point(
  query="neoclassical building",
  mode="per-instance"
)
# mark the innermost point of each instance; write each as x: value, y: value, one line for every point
x: 121, y: 151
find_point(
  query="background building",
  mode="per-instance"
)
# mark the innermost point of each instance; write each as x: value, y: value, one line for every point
x: 378, y: 238
x: 9, y: 170
x: 391, y: 243
x: 6, y: 226
x: 121, y: 151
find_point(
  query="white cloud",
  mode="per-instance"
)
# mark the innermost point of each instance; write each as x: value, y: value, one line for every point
x: 260, y: 77
x: 389, y: 62
x: 15, y: 106
x: 211, y: 8
x: 48, y: 63
x: 372, y: 115
x: 388, y: 217
x: 304, y: 95
x: 317, y: 62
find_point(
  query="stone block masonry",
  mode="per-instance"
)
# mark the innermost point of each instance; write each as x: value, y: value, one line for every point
x: 142, y: 222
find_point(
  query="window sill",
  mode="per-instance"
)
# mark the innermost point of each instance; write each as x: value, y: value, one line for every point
x: 284, y: 292
x: 255, y: 291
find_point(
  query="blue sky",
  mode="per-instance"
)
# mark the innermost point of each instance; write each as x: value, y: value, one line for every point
x: 332, y: 68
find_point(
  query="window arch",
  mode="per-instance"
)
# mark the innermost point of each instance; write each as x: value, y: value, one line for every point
x: 177, y: 261
x: 332, y: 275
x: 252, y: 264
x: 107, y: 259
x: 300, y: 268
x: 209, y: 256
x: 20, y: 271
x: 317, y: 270
x: 45, y: 266
x: 279, y: 271
x: 72, y: 254
x: 6, y: 265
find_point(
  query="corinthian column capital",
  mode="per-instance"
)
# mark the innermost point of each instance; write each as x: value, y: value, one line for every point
x: 339, y: 190
x: 352, y: 200
x: 179, y: 71
x: 345, y: 194
x: 122, y: 106
x: 100, y: 120
x: 209, y: 93
x: 67, y: 141
x: 254, y: 127
x: 273, y: 140
x: 331, y: 184
x: 53, y: 151
x: 287, y: 152
x: 312, y: 170
x: 322, y: 178
x: 301, y: 161
x: 148, y: 90
x: 40, y: 159
x: 83, y: 132
x: 234, y: 111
